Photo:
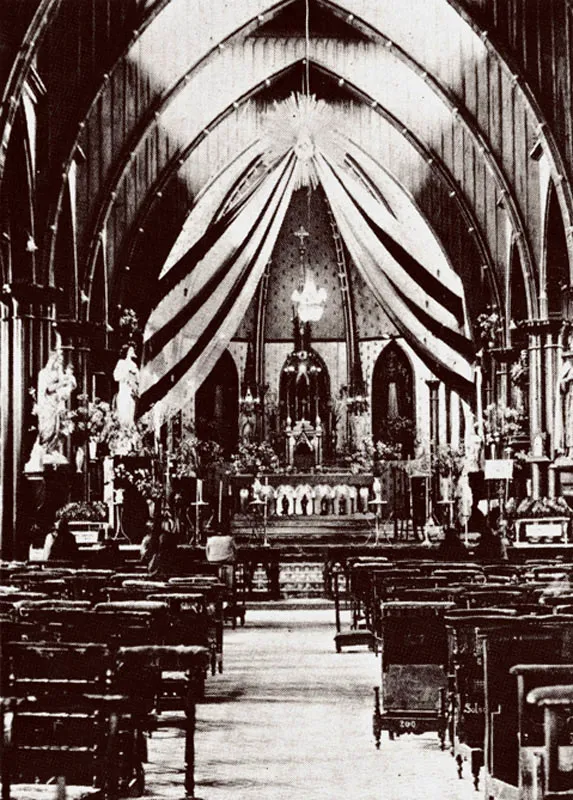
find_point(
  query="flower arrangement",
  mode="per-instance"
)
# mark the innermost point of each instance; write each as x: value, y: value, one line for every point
x: 544, y: 507
x: 398, y: 434
x: 448, y: 461
x: 254, y: 458
x: 140, y: 478
x: 371, y: 454
x: 127, y: 440
x: 128, y: 324
x: 501, y: 423
x: 84, y: 512
x: 194, y: 457
x: 489, y: 328
x: 91, y: 419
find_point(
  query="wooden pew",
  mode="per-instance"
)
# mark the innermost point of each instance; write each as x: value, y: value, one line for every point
x: 466, y: 631
x: 531, y: 735
x: 75, y: 725
x: 414, y: 682
x: 553, y: 777
x: 531, y: 640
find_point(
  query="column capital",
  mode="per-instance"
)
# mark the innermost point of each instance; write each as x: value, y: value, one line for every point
x: 74, y: 329
x: 543, y: 325
x: 26, y: 292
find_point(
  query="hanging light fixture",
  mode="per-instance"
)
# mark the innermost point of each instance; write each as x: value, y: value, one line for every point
x: 308, y: 300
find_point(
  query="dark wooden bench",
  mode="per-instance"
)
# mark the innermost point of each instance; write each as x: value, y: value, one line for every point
x: 553, y: 778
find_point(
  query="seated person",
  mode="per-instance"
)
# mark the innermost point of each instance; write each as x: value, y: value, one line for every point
x: 60, y: 544
x: 159, y: 550
x: 451, y: 547
x: 490, y: 546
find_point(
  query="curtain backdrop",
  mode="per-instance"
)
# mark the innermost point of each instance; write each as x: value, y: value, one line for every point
x: 213, y: 271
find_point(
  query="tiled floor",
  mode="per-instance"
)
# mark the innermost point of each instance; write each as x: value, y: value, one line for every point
x: 290, y: 718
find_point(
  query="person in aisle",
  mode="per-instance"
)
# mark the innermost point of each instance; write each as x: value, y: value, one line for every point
x: 222, y: 551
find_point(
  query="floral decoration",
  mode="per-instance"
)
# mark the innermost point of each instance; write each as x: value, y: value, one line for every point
x: 255, y: 457
x: 501, y: 423
x: 194, y: 457
x: 128, y: 325
x: 448, y: 461
x: 141, y: 478
x: 489, y: 328
x: 544, y: 507
x: 91, y: 419
x: 84, y: 512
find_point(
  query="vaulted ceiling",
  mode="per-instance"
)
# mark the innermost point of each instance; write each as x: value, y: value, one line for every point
x: 114, y: 121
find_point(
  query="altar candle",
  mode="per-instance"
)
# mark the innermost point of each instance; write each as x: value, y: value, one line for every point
x: 220, y: 508
x: 199, y: 490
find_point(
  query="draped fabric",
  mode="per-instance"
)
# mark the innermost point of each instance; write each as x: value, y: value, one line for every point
x: 205, y: 295
x: 424, y: 300
x: 213, y: 271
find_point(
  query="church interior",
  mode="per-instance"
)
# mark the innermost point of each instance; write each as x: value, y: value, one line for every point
x: 286, y: 406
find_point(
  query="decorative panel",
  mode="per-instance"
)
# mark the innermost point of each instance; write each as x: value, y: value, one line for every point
x: 285, y: 272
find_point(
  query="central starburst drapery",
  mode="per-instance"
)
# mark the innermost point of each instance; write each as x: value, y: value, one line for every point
x: 213, y: 271
x: 303, y: 125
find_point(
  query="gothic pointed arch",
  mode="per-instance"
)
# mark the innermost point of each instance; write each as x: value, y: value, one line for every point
x: 217, y: 405
x: 393, y: 408
x: 557, y: 270
x: 304, y: 392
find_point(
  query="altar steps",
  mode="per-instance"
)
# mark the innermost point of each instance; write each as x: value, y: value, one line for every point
x: 341, y: 530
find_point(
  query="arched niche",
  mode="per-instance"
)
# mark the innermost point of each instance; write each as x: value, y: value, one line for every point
x: 18, y: 208
x: 557, y: 258
x: 393, y: 408
x: 217, y: 405
x: 304, y: 401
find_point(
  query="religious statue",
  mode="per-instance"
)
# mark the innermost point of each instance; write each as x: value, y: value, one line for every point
x: 566, y: 386
x: 55, y: 387
x: 126, y: 374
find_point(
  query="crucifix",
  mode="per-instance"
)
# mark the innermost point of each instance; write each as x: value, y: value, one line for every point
x: 301, y: 235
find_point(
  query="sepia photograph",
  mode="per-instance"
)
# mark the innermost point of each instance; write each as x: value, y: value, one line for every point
x: 286, y: 399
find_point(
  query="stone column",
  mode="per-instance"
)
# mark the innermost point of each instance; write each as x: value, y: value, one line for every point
x: 537, y: 329
x: 26, y: 336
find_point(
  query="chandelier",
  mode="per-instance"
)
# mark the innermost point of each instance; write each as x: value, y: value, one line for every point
x: 308, y: 300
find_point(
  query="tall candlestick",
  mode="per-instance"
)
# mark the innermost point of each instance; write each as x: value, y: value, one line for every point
x: 220, y: 506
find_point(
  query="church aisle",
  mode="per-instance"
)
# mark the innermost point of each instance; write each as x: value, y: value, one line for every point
x: 291, y: 718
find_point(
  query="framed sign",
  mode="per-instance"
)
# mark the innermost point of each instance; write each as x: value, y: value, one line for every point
x: 496, y: 469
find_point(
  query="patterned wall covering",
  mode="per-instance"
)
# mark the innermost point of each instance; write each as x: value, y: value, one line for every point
x: 285, y: 271
x: 371, y: 320
x: 246, y: 330
x: 239, y: 352
x: 275, y: 356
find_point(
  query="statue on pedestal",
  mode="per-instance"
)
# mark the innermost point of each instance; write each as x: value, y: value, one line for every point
x: 566, y: 387
x: 55, y: 387
x: 126, y: 374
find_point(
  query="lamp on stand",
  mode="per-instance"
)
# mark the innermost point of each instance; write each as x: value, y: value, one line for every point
x: 260, y: 503
x: 377, y: 504
x: 198, y: 504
